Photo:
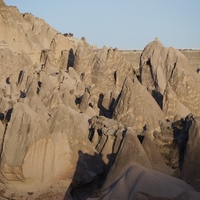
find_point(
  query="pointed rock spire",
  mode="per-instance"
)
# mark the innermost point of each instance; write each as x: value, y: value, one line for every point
x: 2, y: 3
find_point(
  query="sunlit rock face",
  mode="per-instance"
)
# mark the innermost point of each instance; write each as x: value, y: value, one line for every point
x: 75, y: 119
x: 169, y: 77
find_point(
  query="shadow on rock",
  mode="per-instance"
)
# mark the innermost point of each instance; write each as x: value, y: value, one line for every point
x: 87, y: 176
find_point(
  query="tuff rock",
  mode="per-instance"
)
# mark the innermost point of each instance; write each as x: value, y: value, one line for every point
x: 76, y: 120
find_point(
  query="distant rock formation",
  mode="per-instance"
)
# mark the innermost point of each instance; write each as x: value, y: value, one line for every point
x: 164, y: 70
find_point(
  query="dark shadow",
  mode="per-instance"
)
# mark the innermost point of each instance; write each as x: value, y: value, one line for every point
x: 2, y: 116
x: 104, y: 111
x: 158, y: 97
x: 71, y: 56
x: 87, y: 177
x: 101, y: 96
x: 91, y: 133
x: 22, y: 94
x: 115, y: 77
x: 39, y: 83
x: 78, y: 100
x: 8, y: 114
x: 5, y: 119
x: 8, y: 80
x: 39, y: 86
x: 111, y: 157
x: 181, y: 135
x: 91, y: 171
x: 141, y: 138
x: 20, y: 77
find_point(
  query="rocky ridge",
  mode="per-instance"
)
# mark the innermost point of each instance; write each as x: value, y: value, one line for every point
x: 78, y: 122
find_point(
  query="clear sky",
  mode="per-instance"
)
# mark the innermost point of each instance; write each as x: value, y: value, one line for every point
x: 127, y: 24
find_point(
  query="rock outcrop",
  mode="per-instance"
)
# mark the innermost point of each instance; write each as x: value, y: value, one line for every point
x: 161, y: 67
x: 190, y: 166
x: 75, y: 119
x: 132, y: 108
x: 141, y: 183
x: 2, y: 4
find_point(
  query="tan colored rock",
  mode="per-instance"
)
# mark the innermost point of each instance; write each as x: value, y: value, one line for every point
x: 132, y: 108
x: 60, y: 43
x: 130, y: 153
x: 15, y: 33
x: 172, y: 106
x: 106, y: 135
x: 30, y: 34
x: 2, y: 3
x: 63, y: 60
x: 79, y: 85
x: 48, y: 62
x: 45, y: 87
x: 103, y: 71
x: 110, y: 70
x: 9, y: 63
x: 49, y: 159
x: 33, y: 100
x: 84, y: 61
x: 161, y: 66
x: 76, y: 130
x: 153, y: 153
x: 25, y: 128
x: 84, y: 101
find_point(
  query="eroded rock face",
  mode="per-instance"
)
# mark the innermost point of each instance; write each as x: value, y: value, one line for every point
x: 161, y: 67
x: 131, y: 152
x: 190, y: 167
x: 2, y: 3
x: 24, y: 129
x: 132, y: 108
x: 72, y: 115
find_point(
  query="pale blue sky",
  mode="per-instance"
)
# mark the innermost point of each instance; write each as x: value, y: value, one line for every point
x: 127, y: 24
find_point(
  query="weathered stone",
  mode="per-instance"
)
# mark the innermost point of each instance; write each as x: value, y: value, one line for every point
x: 24, y: 129
x: 138, y: 182
x: 132, y: 108
x: 161, y: 67
x: 130, y: 153
x: 190, y: 168
x: 153, y: 154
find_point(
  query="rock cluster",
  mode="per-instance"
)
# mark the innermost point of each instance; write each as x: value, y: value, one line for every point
x: 78, y: 122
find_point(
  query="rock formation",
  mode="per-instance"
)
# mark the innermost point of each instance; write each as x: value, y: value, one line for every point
x: 190, y: 163
x: 132, y: 108
x: 141, y: 183
x: 161, y: 67
x: 77, y: 120
x: 2, y: 3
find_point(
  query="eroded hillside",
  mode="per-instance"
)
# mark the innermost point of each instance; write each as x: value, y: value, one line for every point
x: 80, y: 123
